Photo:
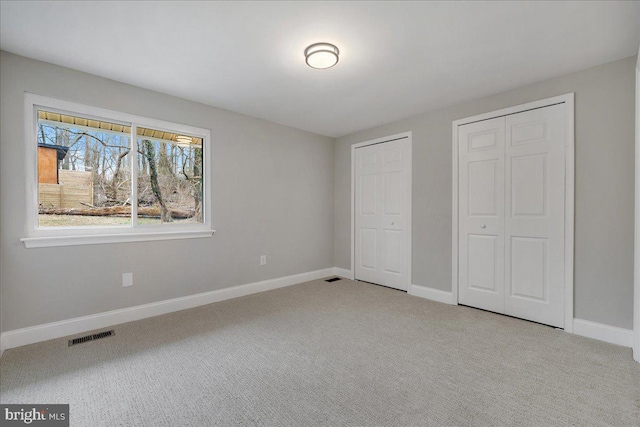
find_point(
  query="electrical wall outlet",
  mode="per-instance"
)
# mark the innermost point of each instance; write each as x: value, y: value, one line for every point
x: 263, y: 260
x: 127, y: 280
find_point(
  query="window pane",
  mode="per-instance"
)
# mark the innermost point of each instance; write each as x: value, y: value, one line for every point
x: 169, y: 177
x: 84, y: 175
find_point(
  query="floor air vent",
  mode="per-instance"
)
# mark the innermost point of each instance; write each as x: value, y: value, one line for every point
x: 333, y: 279
x: 91, y: 337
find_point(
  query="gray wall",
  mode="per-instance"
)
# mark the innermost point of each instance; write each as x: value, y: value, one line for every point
x: 604, y: 125
x: 272, y: 194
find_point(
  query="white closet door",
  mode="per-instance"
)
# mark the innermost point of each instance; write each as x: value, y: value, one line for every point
x: 534, y: 223
x: 481, y: 214
x: 512, y: 214
x: 382, y: 186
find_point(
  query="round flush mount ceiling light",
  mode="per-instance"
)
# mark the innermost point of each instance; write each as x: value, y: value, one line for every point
x: 183, y: 140
x: 321, y: 55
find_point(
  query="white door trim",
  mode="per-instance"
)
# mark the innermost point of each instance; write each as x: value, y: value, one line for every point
x: 404, y: 135
x: 568, y: 100
x: 636, y: 292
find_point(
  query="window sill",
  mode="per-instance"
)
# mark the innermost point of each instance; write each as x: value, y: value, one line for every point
x: 96, y: 239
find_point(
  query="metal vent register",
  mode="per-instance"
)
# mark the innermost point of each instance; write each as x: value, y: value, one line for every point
x: 93, y: 337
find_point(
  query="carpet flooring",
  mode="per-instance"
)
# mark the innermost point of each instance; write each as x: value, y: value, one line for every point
x: 332, y: 354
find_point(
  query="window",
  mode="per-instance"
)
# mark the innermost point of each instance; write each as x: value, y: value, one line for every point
x: 84, y: 176
x: 101, y: 176
x: 169, y: 171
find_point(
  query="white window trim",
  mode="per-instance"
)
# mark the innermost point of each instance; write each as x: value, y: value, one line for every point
x: 38, y: 237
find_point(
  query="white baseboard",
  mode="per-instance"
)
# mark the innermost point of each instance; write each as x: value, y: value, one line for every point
x: 343, y: 272
x: 34, y: 334
x: 432, y: 294
x: 601, y: 332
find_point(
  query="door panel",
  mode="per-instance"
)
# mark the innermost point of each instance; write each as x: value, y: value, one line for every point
x: 369, y: 244
x: 485, y: 139
x: 529, y: 185
x: 529, y: 273
x: 482, y: 274
x: 382, y: 210
x: 368, y: 195
x: 393, y: 241
x: 534, y: 222
x: 482, y: 188
x: 393, y: 193
x: 529, y: 132
x: 481, y: 214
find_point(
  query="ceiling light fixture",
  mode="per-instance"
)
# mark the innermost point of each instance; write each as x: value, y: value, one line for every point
x: 321, y: 55
x: 183, y: 140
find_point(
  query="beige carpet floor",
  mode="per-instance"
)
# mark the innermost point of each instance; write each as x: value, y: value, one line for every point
x: 342, y: 353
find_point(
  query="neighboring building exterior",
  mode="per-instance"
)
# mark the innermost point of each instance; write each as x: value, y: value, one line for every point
x: 49, y: 157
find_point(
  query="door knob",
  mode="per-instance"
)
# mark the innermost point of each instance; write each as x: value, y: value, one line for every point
x: 483, y: 226
x: 393, y: 223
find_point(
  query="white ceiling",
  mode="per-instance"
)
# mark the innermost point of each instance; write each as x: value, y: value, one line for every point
x: 398, y: 59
